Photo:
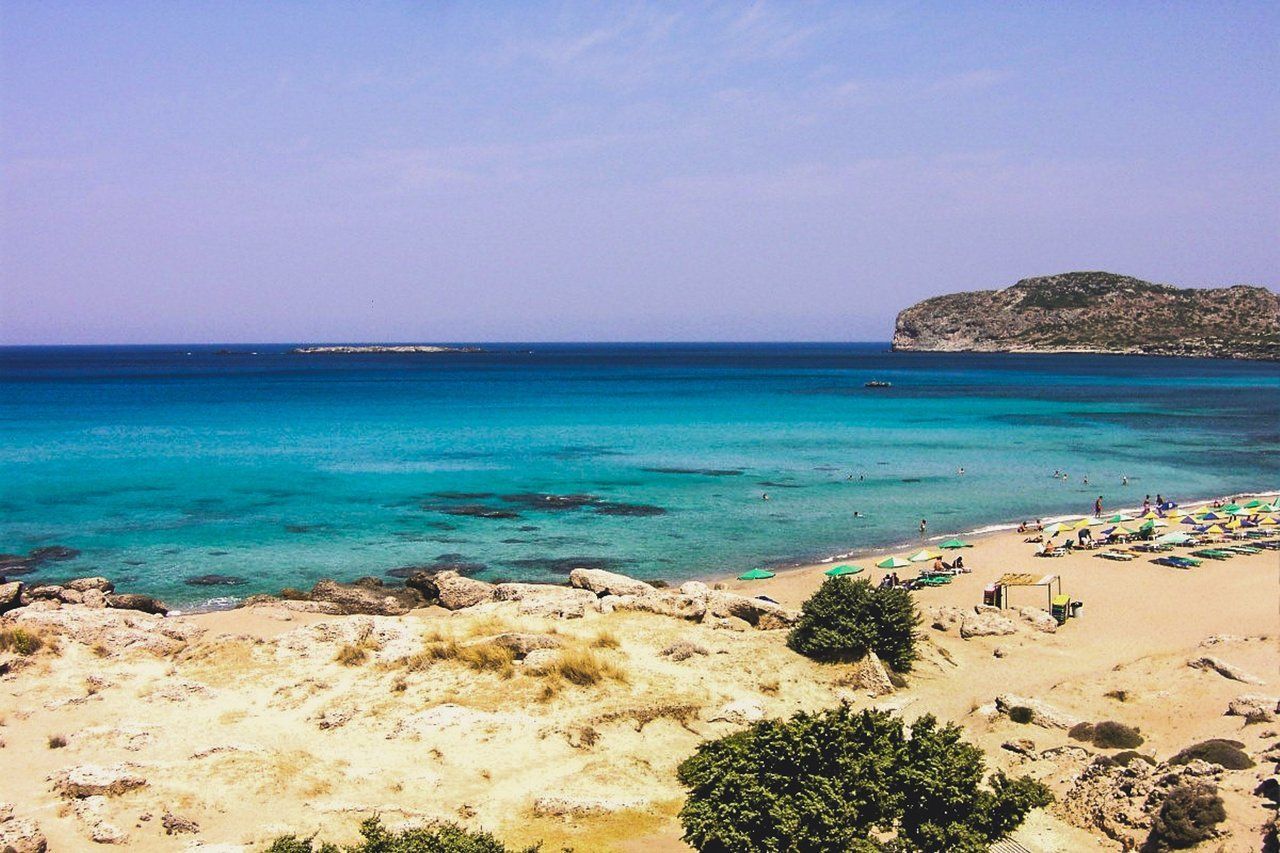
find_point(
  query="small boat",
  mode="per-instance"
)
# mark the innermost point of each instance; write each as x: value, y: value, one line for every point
x: 876, y: 383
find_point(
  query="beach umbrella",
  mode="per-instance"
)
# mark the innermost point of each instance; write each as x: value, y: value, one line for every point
x: 1168, y: 505
x: 755, y: 575
x: 1055, y: 529
x: 1266, y: 520
x: 1117, y: 531
x: 1231, y: 507
x: 921, y: 556
x: 955, y: 543
x: 1086, y: 522
x: 1213, y: 528
x: 1254, y: 503
x: 1151, y: 513
x: 838, y: 571
x: 1239, y: 511
x: 1266, y: 509
x: 1154, y: 523
x: 1211, y: 516
x: 1234, y: 524
x: 892, y: 563
x: 1173, y: 539
x: 1119, y: 517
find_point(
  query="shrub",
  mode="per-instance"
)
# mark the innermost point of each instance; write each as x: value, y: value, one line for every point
x: 1118, y: 695
x: 433, y: 838
x: 57, y: 741
x: 1112, y: 735
x: 605, y: 640
x: 20, y: 641
x: 1186, y: 817
x: 1226, y: 753
x: 839, y: 779
x: 1021, y: 714
x: 1081, y: 731
x: 352, y: 655
x: 1124, y: 759
x: 847, y: 618
x: 584, y: 668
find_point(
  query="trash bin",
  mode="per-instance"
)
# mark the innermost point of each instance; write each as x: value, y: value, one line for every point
x: 991, y: 595
x: 1075, y: 607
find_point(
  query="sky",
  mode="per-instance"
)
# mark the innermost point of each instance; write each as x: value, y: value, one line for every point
x: 376, y: 171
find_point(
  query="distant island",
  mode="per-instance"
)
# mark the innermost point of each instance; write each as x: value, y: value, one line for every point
x: 380, y: 348
x: 1097, y: 312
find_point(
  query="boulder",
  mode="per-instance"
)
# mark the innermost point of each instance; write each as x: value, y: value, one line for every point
x: 740, y: 712
x: 683, y: 650
x: 102, y: 585
x: 18, y: 834
x: 870, y: 675
x: 134, y: 601
x: 94, y: 598
x: 48, y: 592
x: 536, y: 599
x: 70, y: 596
x: 540, y: 661
x: 175, y: 824
x: 602, y: 582
x: 522, y: 644
x: 92, y: 780
x: 91, y: 812
x: 1021, y: 746
x: 695, y: 589
x: 1038, y: 619
x: 425, y: 584
x: 675, y: 605
x: 986, y: 624
x: 1042, y: 714
x: 1226, y: 670
x: 10, y: 595
x: 762, y: 614
x: 1258, y: 709
x: 116, y: 631
x: 457, y: 592
x: 366, y: 598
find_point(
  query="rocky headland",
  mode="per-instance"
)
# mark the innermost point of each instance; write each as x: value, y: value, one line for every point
x: 364, y: 349
x: 1097, y: 312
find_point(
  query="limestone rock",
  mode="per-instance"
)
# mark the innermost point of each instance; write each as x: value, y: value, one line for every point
x: 1038, y: 619
x: 19, y: 834
x: 1020, y: 746
x: 675, y: 605
x: 457, y: 592
x: 741, y: 712
x: 425, y: 583
x: 602, y: 582
x: 1259, y: 709
x: 986, y: 624
x: 174, y: 824
x: 102, y: 585
x: 540, y: 661
x: 870, y: 675
x: 114, y: 630
x: 94, y: 598
x: 134, y: 601
x: 366, y: 598
x: 91, y: 813
x: 92, y: 780
x: 683, y: 650
x: 1042, y: 713
x: 522, y: 644
x: 546, y: 600
x: 762, y: 614
x: 10, y: 595
x: 1226, y: 670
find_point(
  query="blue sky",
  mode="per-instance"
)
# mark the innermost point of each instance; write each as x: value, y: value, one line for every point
x: 772, y: 171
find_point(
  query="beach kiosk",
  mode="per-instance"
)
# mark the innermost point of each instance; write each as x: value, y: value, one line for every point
x: 998, y: 592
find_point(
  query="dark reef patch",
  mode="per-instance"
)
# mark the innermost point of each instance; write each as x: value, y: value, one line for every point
x: 543, y: 501
x: 705, y: 472
x: 17, y: 564
x: 564, y: 565
x: 773, y: 484
x: 631, y: 510
x: 215, y: 580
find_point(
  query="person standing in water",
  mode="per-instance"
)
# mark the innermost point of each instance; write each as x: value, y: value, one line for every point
x: 1097, y: 507
x: 923, y: 524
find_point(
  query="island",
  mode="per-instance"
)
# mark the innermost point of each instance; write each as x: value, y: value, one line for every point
x: 1098, y: 312
x: 366, y: 349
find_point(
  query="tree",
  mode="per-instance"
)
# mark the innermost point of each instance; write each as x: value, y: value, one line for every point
x: 844, y: 619
x: 841, y: 780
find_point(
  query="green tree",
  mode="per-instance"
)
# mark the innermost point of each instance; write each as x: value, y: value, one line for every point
x: 841, y: 780
x: 844, y: 619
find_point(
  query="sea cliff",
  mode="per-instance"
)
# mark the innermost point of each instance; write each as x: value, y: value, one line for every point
x: 1097, y: 312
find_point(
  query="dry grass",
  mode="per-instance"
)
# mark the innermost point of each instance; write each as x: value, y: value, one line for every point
x: 770, y: 686
x: 585, y: 668
x: 605, y: 640
x: 679, y: 712
x: 21, y: 641
x: 356, y: 653
x: 481, y: 657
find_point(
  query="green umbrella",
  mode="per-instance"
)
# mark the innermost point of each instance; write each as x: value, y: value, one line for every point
x: 1173, y: 539
x: 838, y: 571
x: 755, y: 575
x: 1119, y: 517
x: 1254, y: 503
x: 892, y: 563
x: 1231, y: 507
x: 955, y: 543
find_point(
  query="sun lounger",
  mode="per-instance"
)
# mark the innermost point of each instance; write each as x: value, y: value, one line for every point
x: 1115, y: 555
x: 1177, y: 562
x: 1213, y: 554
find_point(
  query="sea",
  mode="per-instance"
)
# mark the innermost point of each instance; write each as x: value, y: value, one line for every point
x: 203, y: 474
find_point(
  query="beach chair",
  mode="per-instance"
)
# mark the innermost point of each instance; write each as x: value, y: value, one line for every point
x: 1212, y: 554
x: 1115, y: 555
x: 1177, y: 562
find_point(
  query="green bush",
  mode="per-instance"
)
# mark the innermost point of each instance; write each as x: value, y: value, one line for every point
x: 1081, y: 731
x: 1112, y: 735
x: 434, y: 838
x: 841, y: 780
x: 1186, y: 817
x: 1227, y: 753
x: 847, y: 618
x: 1129, y: 756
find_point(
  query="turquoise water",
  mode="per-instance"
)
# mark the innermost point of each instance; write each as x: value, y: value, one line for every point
x: 158, y: 464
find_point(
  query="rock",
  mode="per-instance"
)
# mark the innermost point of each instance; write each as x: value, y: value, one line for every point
x: 740, y: 712
x: 90, y: 812
x: 580, y: 807
x: 102, y: 585
x: 175, y: 825
x: 92, y: 780
x: 1226, y: 670
x: 1021, y: 746
x: 48, y: 592
x: 683, y: 650
x: 1042, y: 714
x: 70, y: 596
x: 94, y: 598
x: 675, y: 605
x: 536, y: 599
x: 1038, y: 619
x: 522, y: 644
x: 10, y: 595
x: 18, y: 834
x: 762, y: 614
x: 116, y: 631
x: 695, y: 589
x: 425, y: 583
x: 540, y: 661
x: 457, y: 592
x: 457, y: 721
x: 366, y: 598
x: 999, y: 652
x: 986, y: 624
x: 1269, y: 788
x: 334, y: 718
x: 134, y: 601
x: 727, y: 623
x: 869, y: 674
x: 1258, y: 709
x: 602, y: 582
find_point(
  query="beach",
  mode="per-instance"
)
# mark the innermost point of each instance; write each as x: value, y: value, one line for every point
x: 247, y: 724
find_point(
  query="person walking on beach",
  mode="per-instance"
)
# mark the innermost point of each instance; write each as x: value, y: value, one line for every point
x: 1097, y: 507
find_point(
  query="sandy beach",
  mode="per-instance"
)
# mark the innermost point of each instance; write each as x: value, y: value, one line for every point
x: 219, y: 731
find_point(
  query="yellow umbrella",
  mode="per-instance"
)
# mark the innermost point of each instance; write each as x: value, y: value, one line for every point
x: 1151, y: 513
x: 1055, y: 529
x: 921, y: 556
x: 1233, y: 524
x: 1267, y: 519
x: 1086, y: 522
x: 1214, y: 529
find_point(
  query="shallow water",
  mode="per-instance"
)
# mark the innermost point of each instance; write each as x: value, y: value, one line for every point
x: 160, y: 464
